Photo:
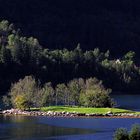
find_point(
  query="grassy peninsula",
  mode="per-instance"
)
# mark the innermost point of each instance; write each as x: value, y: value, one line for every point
x: 84, y: 110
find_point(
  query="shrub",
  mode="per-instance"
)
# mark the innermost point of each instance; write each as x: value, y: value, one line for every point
x: 121, y: 134
x: 6, y: 101
x: 21, y: 102
x: 135, y: 132
x: 25, y: 93
x: 95, y: 94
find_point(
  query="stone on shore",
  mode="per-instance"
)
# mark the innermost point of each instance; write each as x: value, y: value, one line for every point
x: 66, y: 114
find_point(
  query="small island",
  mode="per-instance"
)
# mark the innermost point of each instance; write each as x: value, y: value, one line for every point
x: 79, y: 98
x: 61, y: 111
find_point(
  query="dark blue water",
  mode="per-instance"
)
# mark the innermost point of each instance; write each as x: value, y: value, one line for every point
x: 128, y: 101
x: 44, y: 128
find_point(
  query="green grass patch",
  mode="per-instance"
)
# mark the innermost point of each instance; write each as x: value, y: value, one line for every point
x: 85, y: 110
x: 137, y: 113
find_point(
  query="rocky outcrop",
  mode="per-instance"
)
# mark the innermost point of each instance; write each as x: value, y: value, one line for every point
x: 67, y: 114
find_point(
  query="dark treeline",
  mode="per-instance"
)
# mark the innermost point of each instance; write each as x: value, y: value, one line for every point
x: 21, y: 56
x: 106, y: 24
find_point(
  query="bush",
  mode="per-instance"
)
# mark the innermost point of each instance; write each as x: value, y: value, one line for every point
x: 121, y: 134
x: 95, y: 94
x: 21, y: 102
x: 25, y: 93
x: 6, y: 101
x: 135, y: 132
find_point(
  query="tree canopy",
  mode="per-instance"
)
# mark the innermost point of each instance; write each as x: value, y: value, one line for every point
x: 27, y: 93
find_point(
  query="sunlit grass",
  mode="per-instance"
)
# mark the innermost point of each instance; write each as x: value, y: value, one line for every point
x: 85, y: 110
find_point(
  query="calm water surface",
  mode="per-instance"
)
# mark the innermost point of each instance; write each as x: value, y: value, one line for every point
x: 128, y: 101
x: 45, y: 128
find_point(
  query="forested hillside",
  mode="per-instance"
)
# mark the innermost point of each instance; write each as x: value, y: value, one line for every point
x: 22, y: 56
x: 106, y: 24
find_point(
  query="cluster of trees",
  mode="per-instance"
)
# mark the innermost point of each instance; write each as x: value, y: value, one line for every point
x: 21, y: 56
x: 122, y: 133
x: 79, y: 92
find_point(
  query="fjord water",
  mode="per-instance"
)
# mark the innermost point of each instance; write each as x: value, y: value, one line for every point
x: 49, y: 128
x: 127, y: 101
x: 45, y: 128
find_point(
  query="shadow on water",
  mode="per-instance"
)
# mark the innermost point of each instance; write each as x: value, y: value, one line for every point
x: 127, y: 101
x: 24, y: 128
x: 49, y: 128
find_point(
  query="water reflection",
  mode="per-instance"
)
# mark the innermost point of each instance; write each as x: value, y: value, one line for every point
x: 49, y: 128
x: 20, y: 127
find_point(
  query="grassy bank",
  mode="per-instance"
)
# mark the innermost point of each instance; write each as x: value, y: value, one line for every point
x: 85, y: 110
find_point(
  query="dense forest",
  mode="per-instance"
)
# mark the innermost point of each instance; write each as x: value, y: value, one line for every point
x: 106, y: 24
x: 22, y: 56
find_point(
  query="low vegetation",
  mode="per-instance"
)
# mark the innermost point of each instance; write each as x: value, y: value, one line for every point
x: 84, y: 110
x: 123, y: 134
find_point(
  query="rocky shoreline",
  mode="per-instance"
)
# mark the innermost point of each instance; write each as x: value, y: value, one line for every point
x: 68, y: 114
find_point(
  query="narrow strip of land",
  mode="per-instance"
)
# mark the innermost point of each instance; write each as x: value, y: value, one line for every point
x: 66, y: 111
